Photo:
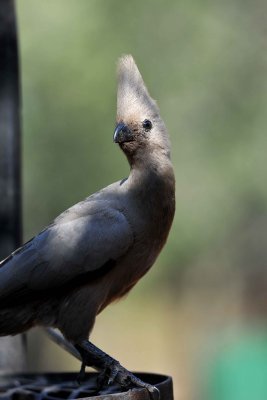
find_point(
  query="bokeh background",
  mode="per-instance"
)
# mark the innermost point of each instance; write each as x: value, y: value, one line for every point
x: 200, y: 314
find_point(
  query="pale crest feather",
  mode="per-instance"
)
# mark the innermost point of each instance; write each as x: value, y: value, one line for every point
x: 132, y: 95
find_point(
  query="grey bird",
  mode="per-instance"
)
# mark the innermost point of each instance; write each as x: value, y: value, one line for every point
x: 97, y: 250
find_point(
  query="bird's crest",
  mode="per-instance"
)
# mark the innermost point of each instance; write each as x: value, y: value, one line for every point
x: 132, y: 95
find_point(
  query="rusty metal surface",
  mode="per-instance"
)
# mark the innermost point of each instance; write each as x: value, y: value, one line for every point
x: 54, y: 386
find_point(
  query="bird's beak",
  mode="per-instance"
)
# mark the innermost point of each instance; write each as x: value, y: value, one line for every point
x: 122, y: 134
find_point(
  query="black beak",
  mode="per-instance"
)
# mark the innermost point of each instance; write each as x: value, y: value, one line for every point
x: 122, y: 134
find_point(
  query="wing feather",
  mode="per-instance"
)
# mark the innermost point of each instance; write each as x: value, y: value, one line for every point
x: 66, y: 250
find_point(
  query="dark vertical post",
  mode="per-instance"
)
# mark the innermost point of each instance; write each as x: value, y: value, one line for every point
x: 12, y: 349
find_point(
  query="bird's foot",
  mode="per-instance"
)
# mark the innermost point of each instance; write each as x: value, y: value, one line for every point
x: 111, y: 370
x: 81, y: 374
x: 115, y: 372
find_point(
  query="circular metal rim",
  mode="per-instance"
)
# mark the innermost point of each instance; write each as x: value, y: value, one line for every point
x: 162, y: 382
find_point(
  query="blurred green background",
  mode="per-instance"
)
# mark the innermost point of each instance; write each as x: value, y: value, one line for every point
x: 200, y: 313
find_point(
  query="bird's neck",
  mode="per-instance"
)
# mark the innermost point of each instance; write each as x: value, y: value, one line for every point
x: 152, y: 170
x: 154, y: 184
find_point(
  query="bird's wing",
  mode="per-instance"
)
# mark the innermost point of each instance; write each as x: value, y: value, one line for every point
x: 65, y: 251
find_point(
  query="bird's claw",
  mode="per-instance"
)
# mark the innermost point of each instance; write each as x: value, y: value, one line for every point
x: 116, y: 373
x: 114, y: 370
x: 111, y: 370
x: 154, y: 392
x: 108, y: 376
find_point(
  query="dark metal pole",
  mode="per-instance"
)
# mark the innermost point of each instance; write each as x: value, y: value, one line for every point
x: 12, y: 350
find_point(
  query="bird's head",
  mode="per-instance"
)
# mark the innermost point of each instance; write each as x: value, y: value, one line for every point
x: 139, y: 131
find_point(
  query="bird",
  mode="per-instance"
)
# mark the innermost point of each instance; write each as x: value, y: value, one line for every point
x: 98, y: 249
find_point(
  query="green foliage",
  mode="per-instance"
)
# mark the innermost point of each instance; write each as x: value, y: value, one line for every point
x: 205, y: 62
x: 240, y: 371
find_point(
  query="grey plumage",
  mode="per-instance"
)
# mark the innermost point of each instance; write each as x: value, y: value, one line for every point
x: 97, y: 250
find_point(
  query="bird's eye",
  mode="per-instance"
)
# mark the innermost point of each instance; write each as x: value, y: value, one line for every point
x: 147, y: 125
